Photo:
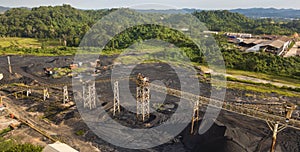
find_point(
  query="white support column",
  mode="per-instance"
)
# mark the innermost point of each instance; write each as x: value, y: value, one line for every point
x: 46, y: 94
x: 116, y: 98
x: 146, y: 102
x: 92, y: 89
x: 65, y: 94
x: 89, y: 95
x: 85, y: 95
x: 139, y: 100
x: 9, y: 65
x: 28, y: 92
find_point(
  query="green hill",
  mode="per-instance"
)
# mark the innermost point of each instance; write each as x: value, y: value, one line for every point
x: 63, y: 22
x: 235, y: 22
x: 69, y: 24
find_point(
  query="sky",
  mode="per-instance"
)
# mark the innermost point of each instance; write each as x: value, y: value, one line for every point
x: 167, y: 4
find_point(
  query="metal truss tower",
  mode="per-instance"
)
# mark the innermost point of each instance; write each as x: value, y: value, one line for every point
x: 195, y: 117
x: 143, y: 97
x: 276, y: 127
x: 89, y: 95
x: 116, y: 98
x: 65, y: 94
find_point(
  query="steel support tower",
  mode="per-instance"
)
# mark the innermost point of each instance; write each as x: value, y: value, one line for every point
x: 195, y: 117
x: 9, y: 64
x: 143, y: 97
x: 89, y: 95
x: 276, y: 127
x: 65, y: 94
x: 116, y: 98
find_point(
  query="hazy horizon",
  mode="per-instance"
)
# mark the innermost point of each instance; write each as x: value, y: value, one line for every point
x: 157, y: 4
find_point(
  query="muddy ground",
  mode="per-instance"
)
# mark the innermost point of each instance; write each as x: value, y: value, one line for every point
x: 230, y: 133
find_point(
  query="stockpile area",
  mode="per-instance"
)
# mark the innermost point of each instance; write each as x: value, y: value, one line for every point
x: 231, y: 132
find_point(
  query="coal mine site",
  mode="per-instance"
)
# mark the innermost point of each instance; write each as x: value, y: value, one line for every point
x: 230, y: 132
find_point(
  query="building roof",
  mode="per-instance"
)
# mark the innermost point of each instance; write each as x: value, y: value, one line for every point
x: 255, y: 41
x: 270, y: 37
x: 284, y: 39
x: 277, y: 44
x: 248, y: 41
x: 58, y: 147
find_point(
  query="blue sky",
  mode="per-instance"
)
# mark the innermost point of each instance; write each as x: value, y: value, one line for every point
x: 202, y: 4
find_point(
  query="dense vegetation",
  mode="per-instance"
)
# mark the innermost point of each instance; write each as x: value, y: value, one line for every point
x: 62, y: 22
x: 235, y: 22
x: 12, y: 146
x: 258, y: 62
x: 69, y: 25
x: 264, y: 63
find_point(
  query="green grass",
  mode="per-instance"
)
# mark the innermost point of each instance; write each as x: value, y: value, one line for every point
x: 4, y: 131
x: 263, y: 84
x: 79, y: 132
x: 19, y: 42
x: 10, y: 145
x: 27, y: 42
x: 262, y: 89
x: 273, y: 78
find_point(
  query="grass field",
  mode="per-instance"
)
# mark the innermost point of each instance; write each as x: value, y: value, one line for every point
x: 262, y: 89
x: 19, y: 42
x: 273, y: 78
x: 27, y: 42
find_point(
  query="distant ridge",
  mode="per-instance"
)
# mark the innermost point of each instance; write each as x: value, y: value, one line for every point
x: 3, y: 9
x: 269, y: 13
x: 249, y: 12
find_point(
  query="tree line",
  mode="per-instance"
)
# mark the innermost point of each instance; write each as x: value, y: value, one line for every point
x: 70, y: 25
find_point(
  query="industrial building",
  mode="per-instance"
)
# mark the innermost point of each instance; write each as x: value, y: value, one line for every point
x: 276, y: 46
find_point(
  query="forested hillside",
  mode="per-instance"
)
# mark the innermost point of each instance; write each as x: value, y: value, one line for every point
x: 234, y: 22
x: 62, y: 22
x: 70, y: 24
